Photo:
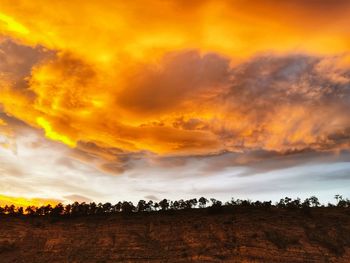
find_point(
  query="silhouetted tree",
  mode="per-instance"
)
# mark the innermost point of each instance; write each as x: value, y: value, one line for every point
x: 216, y: 206
x: 306, y: 203
x: 30, y: 210
x: 246, y: 203
x: 314, y: 201
x: 107, y: 207
x: 341, y: 202
x: 47, y: 209
x: 92, y: 208
x: 76, y: 209
x: 202, y: 202
x: 99, y: 208
x: 141, y: 206
x: 68, y: 209
x: 267, y: 204
x: 10, y: 210
x: 257, y: 204
x: 156, y: 206
x: 39, y: 211
x: 128, y: 207
x: 296, y: 203
x: 191, y: 203
x: 182, y: 204
x: 287, y: 202
x: 118, y: 207
x: 57, y: 210
x: 215, y: 203
x: 149, y: 206
x: 19, y: 211
x: 175, y: 205
x: 164, y: 204
x: 338, y: 198
x: 83, y: 209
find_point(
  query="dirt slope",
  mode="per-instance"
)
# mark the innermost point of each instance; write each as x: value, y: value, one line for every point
x: 184, y: 236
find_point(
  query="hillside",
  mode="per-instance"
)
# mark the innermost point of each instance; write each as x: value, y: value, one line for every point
x: 235, y: 235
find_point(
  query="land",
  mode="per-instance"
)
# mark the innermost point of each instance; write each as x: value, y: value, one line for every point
x: 319, y: 234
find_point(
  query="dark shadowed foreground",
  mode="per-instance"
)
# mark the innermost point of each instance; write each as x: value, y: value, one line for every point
x: 320, y: 234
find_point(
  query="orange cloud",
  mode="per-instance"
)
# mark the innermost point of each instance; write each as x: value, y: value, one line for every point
x: 114, y: 32
x: 174, y: 78
x: 7, y: 139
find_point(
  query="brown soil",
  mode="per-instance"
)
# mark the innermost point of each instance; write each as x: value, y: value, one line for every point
x: 240, y: 235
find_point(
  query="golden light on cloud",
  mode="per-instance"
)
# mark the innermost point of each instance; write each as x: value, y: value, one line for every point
x: 51, y: 134
x: 2, y: 122
x: 11, y: 25
x: 114, y: 31
x: 24, y: 202
x: 179, y: 78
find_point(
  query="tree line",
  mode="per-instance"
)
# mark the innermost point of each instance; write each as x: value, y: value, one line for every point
x: 85, y: 209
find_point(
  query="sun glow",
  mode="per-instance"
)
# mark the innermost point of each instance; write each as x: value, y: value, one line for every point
x: 24, y: 202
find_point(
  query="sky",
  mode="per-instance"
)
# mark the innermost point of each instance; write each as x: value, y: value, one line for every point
x: 121, y: 100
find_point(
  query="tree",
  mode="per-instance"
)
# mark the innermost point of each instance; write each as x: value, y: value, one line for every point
x: 118, y: 207
x: 57, y: 210
x: 30, y: 210
x: 314, y: 201
x: 99, y: 208
x: 341, y: 202
x: 68, y: 209
x: 47, y: 209
x: 39, y: 211
x: 216, y: 206
x: 215, y: 203
x: 191, y: 203
x: 127, y: 207
x: 175, y: 205
x: 338, y: 198
x: 306, y: 203
x: 246, y: 203
x: 284, y: 202
x: 75, y: 210
x: 149, y: 206
x: 10, y: 210
x: 141, y: 206
x: 296, y: 203
x: 182, y: 204
x: 92, y: 208
x: 232, y: 202
x: 164, y: 204
x: 202, y: 202
x: 156, y: 206
x: 19, y: 211
x: 107, y: 207
x: 267, y: 204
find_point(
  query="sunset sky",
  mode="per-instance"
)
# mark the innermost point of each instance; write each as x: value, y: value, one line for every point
x: 128, y: 100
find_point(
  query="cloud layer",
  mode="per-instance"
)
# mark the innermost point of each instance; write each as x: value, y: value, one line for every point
x: 172, y: 83
x: 190, y: 104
